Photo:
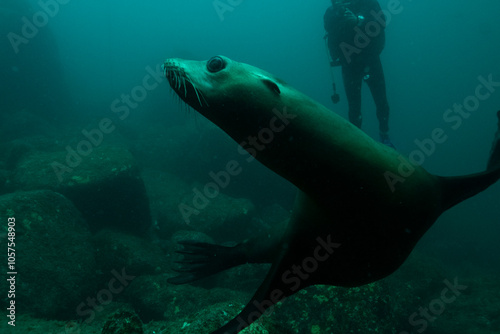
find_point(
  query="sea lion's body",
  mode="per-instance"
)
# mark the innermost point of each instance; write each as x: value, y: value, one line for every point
x: 356, y: 217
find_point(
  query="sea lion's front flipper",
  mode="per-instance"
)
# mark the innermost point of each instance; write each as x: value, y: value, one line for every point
x: 202, y: 259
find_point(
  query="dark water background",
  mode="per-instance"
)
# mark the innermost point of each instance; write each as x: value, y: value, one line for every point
x: 94, y: 51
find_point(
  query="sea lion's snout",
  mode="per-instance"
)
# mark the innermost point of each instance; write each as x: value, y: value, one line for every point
x: 182, y: 83
x: 174, y: 73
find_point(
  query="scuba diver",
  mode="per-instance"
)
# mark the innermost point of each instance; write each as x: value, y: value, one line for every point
x: 355, y: 38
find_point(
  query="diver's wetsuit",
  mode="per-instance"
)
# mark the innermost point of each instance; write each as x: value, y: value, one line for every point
x: 358, y: 52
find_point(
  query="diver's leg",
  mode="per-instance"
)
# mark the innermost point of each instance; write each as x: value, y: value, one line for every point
x: 352, y: 77
x: 376, y: 83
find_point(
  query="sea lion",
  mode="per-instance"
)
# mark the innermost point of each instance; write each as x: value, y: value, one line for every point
x: 361, y: 207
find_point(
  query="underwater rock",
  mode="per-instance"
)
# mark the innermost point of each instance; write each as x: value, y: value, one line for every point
x: 164, y: 148
x: 54, y: 257
x: 161, y: 148
x: 155, y: 299
x: 214, y: 316
x: 164, y: 192
x: 327, y: 309
x: 225, y: 217
x: 183, y: 235
x: 115, y: 250
x: 22, y: 124
x: 179, y: 206
x: 194, y: 150
x: 104, y: 184
x: 4, y: 180
x: 13, y: 151
x: 123, y: 322
x: 274, y: 214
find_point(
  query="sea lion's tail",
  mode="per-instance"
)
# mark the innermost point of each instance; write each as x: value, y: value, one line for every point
x: 494, y: 161
x: 457, y: 189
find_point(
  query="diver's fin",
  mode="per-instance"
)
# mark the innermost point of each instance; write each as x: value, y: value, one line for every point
x: 457, y: 189
x: 202, y: 259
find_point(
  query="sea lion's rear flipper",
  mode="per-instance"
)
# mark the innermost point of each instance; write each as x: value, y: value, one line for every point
x: 202, y: 259
x: 275, y: 288
x: 494, y: 161
x: 457, y: 189
x: 302, y: 260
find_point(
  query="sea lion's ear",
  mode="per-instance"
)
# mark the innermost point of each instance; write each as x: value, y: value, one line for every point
x: 272, y: 86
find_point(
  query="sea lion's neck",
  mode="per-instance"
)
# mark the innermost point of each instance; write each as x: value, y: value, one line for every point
x: 316, y: 141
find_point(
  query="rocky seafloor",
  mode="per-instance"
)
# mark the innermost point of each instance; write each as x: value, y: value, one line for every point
x: 97, y: 228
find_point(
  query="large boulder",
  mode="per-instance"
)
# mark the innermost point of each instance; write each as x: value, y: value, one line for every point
x: 138, y: 255
x: 104, y: 184
x: 23, y: 124
x: 177, y: 205
x: 210, y: 318
x: 54, y: 258
x: 155, y: 299
x: 4, y: 177
x: 195, y: 153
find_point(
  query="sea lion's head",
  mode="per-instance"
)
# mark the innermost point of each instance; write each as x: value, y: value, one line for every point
x: 237, y: 97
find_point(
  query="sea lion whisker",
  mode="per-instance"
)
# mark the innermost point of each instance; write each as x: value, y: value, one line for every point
x: 170, y: 74
x: 196, y: 90
x: 191, y: 82
x: 197, y: 95
x: 174, y: 78
x: 206, y: 102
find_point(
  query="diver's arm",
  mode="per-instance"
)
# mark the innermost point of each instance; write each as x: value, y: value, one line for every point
x: 368, y: 12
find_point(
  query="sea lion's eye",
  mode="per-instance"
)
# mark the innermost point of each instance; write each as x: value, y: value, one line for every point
x: 216, y: 64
